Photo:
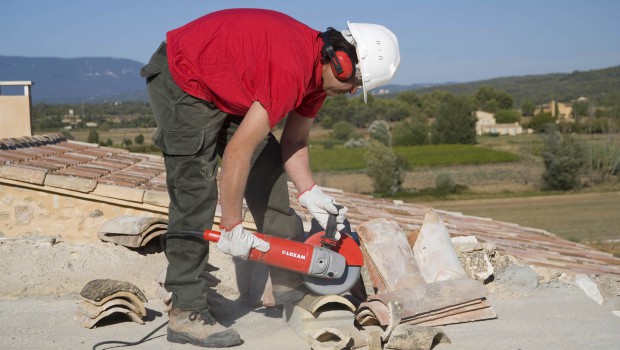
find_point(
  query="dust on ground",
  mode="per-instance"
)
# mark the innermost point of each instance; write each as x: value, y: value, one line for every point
x: 34, y: 267
x: 41, y: 282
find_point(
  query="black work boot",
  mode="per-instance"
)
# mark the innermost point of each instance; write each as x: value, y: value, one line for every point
x: 199, y: 328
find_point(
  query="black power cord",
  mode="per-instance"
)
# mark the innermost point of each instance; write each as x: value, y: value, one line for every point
x: 194, y: 235
x: 126, y: 343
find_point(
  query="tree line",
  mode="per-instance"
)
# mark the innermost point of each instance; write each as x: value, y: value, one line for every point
x: 49, y: 117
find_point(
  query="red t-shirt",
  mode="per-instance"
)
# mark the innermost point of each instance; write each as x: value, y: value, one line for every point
x: 235, y: 57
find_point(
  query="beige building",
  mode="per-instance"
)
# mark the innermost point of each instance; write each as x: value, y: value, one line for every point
x: 486, y: 125
x: 562, y: 111
x: 15, y: 111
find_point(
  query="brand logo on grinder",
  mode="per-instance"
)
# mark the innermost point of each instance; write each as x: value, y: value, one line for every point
x: 293, y: 255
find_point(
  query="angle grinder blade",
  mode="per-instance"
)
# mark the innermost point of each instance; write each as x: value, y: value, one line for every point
x: 348, y: 247
x: 327, y: 286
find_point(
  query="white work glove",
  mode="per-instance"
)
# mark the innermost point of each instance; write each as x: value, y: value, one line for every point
x: 238, y: 242
x: 321, y: 206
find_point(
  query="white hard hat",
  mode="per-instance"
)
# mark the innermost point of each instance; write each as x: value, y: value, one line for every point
x: 377, y: 51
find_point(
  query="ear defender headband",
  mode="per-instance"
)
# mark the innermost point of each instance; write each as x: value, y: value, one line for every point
x: 340, y: 62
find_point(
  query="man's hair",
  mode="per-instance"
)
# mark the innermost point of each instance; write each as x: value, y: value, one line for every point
x: 339, y: 43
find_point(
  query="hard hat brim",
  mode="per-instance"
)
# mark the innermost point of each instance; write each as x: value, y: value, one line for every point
x: 361, y: 50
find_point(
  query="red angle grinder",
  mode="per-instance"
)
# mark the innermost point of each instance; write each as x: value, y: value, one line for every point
x: 326, y: 266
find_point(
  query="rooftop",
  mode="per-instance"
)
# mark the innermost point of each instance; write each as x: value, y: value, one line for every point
x: 53, y: 164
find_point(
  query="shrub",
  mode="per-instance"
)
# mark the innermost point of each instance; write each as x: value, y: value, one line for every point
x: 328, y: 143
x: 139, y: 139
x: 93, y: 136
x: 564, y: 158
x: 67, y: 134
x: 380, y: 130
x: 356, y: 143
x: 342, y: 130
x: 444, y: 183
x: 385, y: 168
x: 603, y: 161
x: 327, y: 122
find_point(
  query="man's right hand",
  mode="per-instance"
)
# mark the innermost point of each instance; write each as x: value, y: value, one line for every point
x: 238, y: 241
x: 321, y: 206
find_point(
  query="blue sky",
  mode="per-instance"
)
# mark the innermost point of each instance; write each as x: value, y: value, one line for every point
x: 440, y: 40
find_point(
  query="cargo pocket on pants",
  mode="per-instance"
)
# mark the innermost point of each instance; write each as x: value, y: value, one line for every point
x: 179, y: 143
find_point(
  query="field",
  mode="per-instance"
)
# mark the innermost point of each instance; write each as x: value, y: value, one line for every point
x: 340, y: 158
x: 117, y: 135
x: 589, y: 218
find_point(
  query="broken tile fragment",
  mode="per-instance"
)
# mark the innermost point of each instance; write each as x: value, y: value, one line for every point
x: 434, y: 252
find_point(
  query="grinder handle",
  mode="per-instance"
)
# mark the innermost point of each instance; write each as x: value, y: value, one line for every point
x: 332, y: 227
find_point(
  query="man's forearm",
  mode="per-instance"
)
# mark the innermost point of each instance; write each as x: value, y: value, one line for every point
x: 236, y: 163
x: 295, y: 151
x: 297, y: 166
x: 234, y: 176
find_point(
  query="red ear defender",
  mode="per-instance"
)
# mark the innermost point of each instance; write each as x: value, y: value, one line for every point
x: 340, y: 62
x: 346, y: 71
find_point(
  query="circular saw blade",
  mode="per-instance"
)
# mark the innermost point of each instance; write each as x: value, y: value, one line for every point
x: 349, y: 248
x: 327, y: 286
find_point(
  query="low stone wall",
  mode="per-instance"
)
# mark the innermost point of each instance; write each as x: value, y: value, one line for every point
x: 44, y: 212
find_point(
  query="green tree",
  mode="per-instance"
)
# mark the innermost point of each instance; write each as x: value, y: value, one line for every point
x: 564, y: 158
x: 327, y: 122
x: 105, y: 126
x: 491, y: 100
x: 580, y: 109
x: 455, y: 122
x: 335, y: 108
x: 93, y: 136
x: 432, y: 101
x: 505, y: 116
x: 396, y: 110
x: 410, y: 97
x: 139, y: 139
x: 410, y: 132
x: 342, y: 130
x: 528, y: 108
x: 541, y: 120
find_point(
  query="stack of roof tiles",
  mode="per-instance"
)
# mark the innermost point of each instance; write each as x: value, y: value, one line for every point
x: 55, y: 155
x: 104, y: 298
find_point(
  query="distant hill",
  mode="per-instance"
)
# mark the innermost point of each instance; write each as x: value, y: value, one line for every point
x: 96, y: 79
x: 593, y: 84
x: 72, y: 80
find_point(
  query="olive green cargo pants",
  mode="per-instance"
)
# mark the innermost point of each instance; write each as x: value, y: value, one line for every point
x: 191, y: 134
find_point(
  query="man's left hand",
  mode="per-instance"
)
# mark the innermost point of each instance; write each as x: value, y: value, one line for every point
x: 238, y: 242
